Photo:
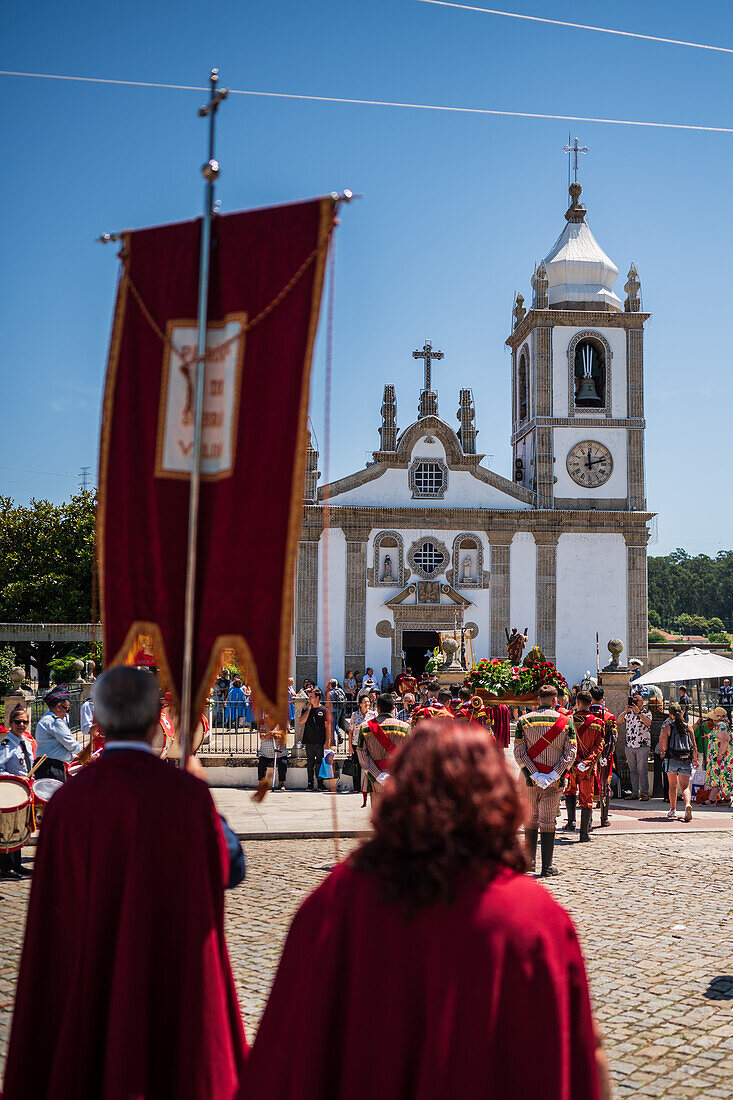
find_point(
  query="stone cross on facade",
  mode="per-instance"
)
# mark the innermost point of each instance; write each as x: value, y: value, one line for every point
x: 428, y: 355
x: 428, y: 398
x: 572, y: 151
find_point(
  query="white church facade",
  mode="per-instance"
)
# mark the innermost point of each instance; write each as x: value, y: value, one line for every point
x: 426, y: 537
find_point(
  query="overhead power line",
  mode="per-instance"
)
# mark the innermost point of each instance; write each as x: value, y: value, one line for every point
x: 380, y: 103
x: 579, y: 26
x: 41, y: 473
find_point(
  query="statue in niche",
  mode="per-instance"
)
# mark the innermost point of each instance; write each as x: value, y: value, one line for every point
x: 466, y: 577
x: 387, y: 574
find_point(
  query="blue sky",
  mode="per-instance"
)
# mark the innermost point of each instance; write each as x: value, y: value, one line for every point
x: 456, y: 208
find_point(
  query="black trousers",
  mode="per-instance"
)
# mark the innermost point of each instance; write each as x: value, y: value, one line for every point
x: 51, y: 769
x: 265, y: 762
x: 661, y: 783
x: 356, y: 779
x: 10, y: 861
x: 313, y: 761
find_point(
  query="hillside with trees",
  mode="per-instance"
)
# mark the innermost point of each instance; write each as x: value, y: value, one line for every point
x: 691, y: 595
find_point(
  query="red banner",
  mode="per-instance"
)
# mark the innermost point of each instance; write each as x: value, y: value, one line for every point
x: 266, y: 279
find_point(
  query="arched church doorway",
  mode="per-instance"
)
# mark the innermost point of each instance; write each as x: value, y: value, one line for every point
x: 418, y: 646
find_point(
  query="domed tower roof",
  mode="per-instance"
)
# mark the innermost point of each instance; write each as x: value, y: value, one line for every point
x: 579, y: 273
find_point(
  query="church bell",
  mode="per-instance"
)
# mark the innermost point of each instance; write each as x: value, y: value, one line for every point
x: 587, y: 390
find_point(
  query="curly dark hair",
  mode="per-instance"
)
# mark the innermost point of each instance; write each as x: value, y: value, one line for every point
x: 450, y: 808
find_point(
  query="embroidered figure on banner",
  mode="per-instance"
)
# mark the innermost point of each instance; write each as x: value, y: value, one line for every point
x: 222, y: 387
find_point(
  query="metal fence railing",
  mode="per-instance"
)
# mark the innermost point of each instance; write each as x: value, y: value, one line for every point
x: 231, y: 735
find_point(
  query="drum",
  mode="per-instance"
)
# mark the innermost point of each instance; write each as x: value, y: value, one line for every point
x: 174, y: 749
x: 43, y: 789
x: 163, y: 735
x: 16, y: 812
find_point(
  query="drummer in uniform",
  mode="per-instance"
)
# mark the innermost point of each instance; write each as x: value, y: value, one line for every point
x: 16, y: 758
x: 54, y: 737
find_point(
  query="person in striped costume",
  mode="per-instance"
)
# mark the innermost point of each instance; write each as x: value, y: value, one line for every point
x: 589, y: 733
x: 544, y: 748
x: 377, y: 741
x: 437, y: 706
x: 604, y: 768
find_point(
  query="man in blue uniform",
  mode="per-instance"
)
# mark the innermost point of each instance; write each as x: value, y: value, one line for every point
x: 54, y: 737
x: 16, y: 758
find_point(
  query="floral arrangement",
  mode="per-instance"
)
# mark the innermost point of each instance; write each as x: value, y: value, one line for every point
x: 502, y: 678
x: 436, y: 661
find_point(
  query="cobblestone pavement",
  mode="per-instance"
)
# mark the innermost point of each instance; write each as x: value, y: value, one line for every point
x: 654, y: 912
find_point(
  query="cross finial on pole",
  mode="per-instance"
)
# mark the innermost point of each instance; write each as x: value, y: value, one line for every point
x: 428, y: 355
x: 572, y: 151
x: 210, y: 172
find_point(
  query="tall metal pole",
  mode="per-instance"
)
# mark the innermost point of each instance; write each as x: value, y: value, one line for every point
x: 210, y: 172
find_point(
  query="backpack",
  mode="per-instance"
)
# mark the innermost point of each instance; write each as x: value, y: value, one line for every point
x: 680, y: 744
x: 338, y: 695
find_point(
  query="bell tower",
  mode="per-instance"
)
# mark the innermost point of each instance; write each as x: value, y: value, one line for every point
x: 578, y: 377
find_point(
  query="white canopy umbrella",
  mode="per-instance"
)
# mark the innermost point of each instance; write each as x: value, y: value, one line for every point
x: 693, y: 664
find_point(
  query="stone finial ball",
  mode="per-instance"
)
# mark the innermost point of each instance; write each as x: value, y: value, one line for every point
x: 615, y: 647
x: 450, y: 646
x: 17, y: 675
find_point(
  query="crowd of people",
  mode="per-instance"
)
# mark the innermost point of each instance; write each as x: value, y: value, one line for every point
x: 464, y: 932
x: 434, y: 913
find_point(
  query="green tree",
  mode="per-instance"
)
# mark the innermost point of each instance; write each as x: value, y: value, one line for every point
x: 46, y: 557
x: 46, y: 560
x: 715, y: 626
x: 701, y: 585
x: 654, y: 619
x: 62, y: 668
x: 7, y: 661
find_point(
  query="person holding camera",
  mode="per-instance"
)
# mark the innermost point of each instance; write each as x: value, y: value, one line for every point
x: 313, y: 736
x: 679, y: 752
x: 638, y: 720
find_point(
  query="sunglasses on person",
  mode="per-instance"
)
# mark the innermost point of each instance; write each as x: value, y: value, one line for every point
x: 19, y: 721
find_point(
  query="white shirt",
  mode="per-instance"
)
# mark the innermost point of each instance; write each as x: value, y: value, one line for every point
x: 87, y: 716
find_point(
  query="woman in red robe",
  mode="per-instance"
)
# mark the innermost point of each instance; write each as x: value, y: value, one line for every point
x: 427, y: 966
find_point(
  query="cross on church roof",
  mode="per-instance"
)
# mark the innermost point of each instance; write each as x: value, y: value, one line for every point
x: 572, y: 151
x: 428, y: 355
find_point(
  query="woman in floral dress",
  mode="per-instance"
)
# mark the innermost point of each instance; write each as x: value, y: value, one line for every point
x: 720, y: 759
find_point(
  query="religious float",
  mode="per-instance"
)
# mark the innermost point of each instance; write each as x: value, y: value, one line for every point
x: 507, y: 681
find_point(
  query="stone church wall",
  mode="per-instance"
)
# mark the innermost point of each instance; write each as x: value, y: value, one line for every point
x: 523, y: 584
x: 336, y: 542
x: 591, y: 595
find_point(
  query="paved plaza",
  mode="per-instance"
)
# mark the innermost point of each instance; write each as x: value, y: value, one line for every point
x: 654, y: 912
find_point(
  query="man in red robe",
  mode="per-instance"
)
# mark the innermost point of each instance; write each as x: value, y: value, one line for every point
x: 125, y: 989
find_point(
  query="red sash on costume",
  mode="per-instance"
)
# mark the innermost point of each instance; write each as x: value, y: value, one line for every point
x: 545, y: 741
x: 589, y: 718
x: 388, y: 746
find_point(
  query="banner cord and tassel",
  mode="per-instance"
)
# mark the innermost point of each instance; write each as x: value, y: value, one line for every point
x: 245, y: 328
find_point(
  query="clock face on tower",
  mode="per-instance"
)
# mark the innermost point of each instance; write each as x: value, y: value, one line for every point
x: 589, y: 464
